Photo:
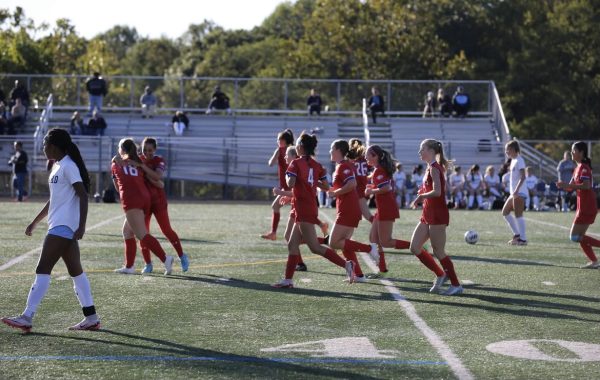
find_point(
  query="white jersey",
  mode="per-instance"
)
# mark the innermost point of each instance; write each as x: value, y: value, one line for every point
x: 399, y: 179
x: 531, y: 182
x: 456, y: 180
x: 492, y: 180
x: 516, y: 165
x: 506, y: 182
x: 474, y: 180
x: 64, y: 203
x: 418, y: 180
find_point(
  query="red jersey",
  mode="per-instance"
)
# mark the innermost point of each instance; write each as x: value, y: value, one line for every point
x: 361, y: 169
x: 308, y: 172
x: 157, y: 194
x: 586, y: 199
x: 348, y: 208
x: 435, y: 210
x: 132, y: 187
x: 282, y: 166
x: 387, y: 208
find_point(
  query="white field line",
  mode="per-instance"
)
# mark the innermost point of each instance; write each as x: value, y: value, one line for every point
x: 461, y: 372
x: 556, y: 225
x: 18, y: 259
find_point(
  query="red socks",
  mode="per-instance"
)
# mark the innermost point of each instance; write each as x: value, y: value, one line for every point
x: 275, y: 222
x: 351, y: 255
x: 162, y: 217
x: 382, y: 264
x: 130, y: 250
x: 351, y: 245
x: 371, y: 219
x: 290, y: 267
x: 401, y: 244
x: 590, y: 241
x: 430, y: 263
x: 449, y: 268
x: 587, y: 249
x: 153, y: 244
x: 334, y: 258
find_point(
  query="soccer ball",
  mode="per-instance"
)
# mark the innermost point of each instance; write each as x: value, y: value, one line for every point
x: 471, y: 237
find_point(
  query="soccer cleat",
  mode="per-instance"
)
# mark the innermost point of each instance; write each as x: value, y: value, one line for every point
x: 283, y: 284
x: 514, y: 240
x: 89, y: 323
x: 438, y: 283
x: 361, y: 279
x: 125, y: 270
x: 374, y: 275
x: 325, y: 228
x: 301, y: 267
x: 169, y: 265
x: 185, y: 262
x: 591, y: 265
x: 350, y: 271
x: 453, y: 290
x: 269, y: 236
x: 521, y: 242
x: 374, y: 253
x: 148, y: 268
x: 19, y: 322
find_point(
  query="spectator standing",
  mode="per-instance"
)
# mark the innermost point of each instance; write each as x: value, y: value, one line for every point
x: 2, y: 96
x: 148, y: 102
x: 180, y: 123
x: 77, y: 126
x: 461, y: 102
x: 430, y: 105
x: 218, y: 101
x: 3, y: 118
x: 97, y: 124
x: 19, y: 164
x: 376, y: 104
x: 17, y: 117
x: 314, y: 102
x: 19, y: 92
x: 444, y: 103
x: 97, y: 90
x: 565, y: 170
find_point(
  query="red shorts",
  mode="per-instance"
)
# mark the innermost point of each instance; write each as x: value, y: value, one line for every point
x: 349, y: 218
x: 435, y: 218
x: 307, y: 218
x: 387, y: 213
x: 581, y: 218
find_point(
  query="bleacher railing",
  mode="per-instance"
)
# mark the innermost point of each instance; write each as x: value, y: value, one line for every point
x: 251, y: 95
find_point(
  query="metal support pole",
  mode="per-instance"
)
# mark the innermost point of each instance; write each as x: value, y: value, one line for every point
x: 236, y: 89
x: 338, y: 96
x: 389, y: 97
x: 131, y: 92
x: 181, y: 94
x: 78, y: 87
x: 285, y: 95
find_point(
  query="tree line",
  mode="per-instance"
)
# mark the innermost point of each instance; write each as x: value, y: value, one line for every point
x: 544, y: 55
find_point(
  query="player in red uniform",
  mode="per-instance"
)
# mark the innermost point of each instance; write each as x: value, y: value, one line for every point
x: 435, y: 218
x: 154, y: 168
x: 135, y: 200
x: 587, y: 208
x: 348, y: 208
x: 356, y: 155
x: 303, y: 177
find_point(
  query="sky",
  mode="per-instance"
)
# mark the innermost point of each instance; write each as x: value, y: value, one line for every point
x: 151, y: 18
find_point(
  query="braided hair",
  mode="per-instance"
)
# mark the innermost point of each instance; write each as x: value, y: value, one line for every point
x: 62, y: 140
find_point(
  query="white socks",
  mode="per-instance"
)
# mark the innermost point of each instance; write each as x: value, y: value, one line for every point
x: 512, y: 223
x: 83, y: 290
x: 36, y: 294
x: 521, y: 224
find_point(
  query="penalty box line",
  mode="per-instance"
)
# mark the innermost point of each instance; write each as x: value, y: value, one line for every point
x: 20, y: 258
x: 456, y: 365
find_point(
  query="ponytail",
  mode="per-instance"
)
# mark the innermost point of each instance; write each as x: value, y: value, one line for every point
x: 308, y: 143
x: 583, y: 148
x: 128, y: 146
x: 386, y: 161
x: 62, y: 140
x: 342, y: 146
x: 438, y: 150
x: 357, y: 149
x: 286, y: 135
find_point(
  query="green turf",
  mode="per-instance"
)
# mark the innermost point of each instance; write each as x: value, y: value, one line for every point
x: 223, y: 308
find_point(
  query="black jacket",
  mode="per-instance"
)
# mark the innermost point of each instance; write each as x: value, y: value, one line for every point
x: 96, y: 86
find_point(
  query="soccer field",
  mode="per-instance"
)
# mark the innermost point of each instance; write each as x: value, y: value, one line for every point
x: 526, y: 313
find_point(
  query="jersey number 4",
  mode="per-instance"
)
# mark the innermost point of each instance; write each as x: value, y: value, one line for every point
x: 131, y: 170
x: 311, y: 177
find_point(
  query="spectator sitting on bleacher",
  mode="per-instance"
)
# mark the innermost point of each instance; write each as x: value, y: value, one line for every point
x: 218, y: 101
x: 531, y: 182
x: 456, y: 182
x: 180, y: 123
x: 444, y: 103
x: 19, y: 92
x: 148, y: 102
x: 430, y: 104
x: 314, y: 102
x: 96, y: 125
x: 474, y: 186
x: 17, y: 117
x: 376, y: 104
x: 77, y: 126
x: 461, y: 102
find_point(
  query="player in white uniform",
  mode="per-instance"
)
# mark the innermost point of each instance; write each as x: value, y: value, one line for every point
x: 67, y: 213
x: 531, y: 182
x: 474, y: 183
x: 399, y: 178
x: 457, y: 185
x: 493, y: 185
x: 516, y: 200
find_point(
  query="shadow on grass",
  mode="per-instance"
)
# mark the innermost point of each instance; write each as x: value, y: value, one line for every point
x: 251, y: 285
x: 214, y: 358
x: 505, y: 261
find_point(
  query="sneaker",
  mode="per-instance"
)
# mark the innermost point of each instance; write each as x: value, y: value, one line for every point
x: 350, y: 271
x: 301, y: 267
x: 283, y: 283
x: 169, y: 265
x: 591, y: 265
x: 125, y: 270
x: 185, y: 262
x: 514, y: 240
x: 89, y: 323
x: 148, y: 268
x: 374, y: 253
x: 19, y: 322
x: 438, y: 283
x: 453, y: 290
x: 521, y: 242
x: 269, y: 236
x: 325, y: 228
